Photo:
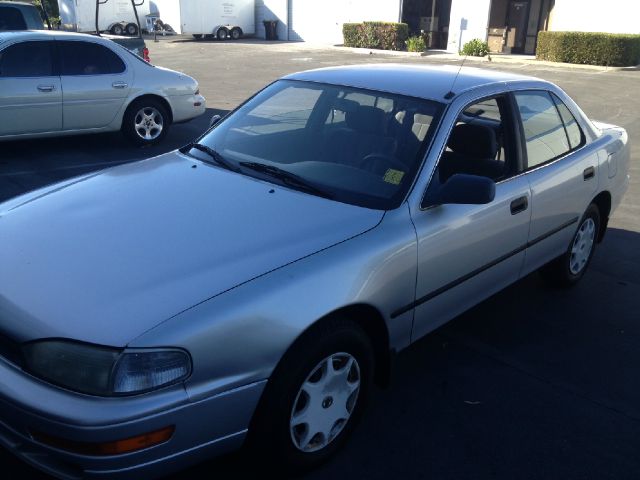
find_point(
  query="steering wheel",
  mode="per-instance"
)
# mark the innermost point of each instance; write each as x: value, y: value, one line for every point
x: 380, y: 163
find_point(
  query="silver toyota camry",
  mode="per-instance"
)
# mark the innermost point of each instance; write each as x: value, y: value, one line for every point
x: 252, y: 286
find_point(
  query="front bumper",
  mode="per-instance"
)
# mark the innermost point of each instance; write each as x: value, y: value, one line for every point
x: 205, y: 428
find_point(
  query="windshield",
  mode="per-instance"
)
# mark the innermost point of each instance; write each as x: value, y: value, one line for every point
x: 356, y: 146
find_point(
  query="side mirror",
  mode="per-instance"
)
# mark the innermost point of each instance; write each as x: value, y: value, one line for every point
x: 465, y: 189
x: 215, y: 119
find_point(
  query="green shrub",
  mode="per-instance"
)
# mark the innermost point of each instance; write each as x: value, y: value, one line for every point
x: 589, y: 48
x: 475, y: 48
x: 416, y: 44
x: 380, y: 35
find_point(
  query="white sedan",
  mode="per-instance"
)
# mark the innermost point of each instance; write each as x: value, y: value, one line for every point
x: 58, y: 83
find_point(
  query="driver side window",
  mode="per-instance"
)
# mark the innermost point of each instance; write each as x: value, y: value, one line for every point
x: 480, y: 143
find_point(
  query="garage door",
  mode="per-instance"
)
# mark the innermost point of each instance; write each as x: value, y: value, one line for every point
x: 314, y: 21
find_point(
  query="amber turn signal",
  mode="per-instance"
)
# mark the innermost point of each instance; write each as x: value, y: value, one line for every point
x: 117, y: 447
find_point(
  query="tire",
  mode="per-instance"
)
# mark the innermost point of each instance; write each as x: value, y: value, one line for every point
x: 117, y: 29
x: 290, y: 447
x: 222, y: 33
x: 567, y: 270
x: 197, y: 36
x: 131, y: 29
x: 146, y: 131
x: 236, y: 33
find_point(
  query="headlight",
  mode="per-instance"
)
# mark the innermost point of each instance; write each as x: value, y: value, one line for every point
x: 105, y: 371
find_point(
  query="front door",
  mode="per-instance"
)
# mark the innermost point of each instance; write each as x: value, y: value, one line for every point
x: 30, y: 92
x: 517, y: 17
x: 468, y: 252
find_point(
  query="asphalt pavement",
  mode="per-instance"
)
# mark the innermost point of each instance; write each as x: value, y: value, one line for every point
x: 533, y: 383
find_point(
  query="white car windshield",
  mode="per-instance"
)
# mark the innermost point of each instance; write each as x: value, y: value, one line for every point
x: 357, y: 146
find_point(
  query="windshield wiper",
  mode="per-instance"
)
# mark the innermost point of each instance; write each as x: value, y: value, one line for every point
x: 215, y: 156
x: 288, y: 178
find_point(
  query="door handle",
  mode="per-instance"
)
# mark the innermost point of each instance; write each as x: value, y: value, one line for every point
x: 519, y: 205
x: 46, y: 88
x: 119, y: 85
x: 589, y: 173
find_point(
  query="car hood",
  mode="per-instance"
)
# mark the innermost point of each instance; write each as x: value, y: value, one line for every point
x: 106, y: 257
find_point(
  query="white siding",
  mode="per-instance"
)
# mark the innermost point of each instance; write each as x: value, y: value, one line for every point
x: 322, y: 22
x: 476, y: 14
x: 272, y: 10
x: 612, y: 16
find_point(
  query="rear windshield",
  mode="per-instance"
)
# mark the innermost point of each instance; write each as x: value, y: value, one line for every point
x: 11, y: 19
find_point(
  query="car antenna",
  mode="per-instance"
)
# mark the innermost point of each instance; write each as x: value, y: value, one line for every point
x: 451, y: 93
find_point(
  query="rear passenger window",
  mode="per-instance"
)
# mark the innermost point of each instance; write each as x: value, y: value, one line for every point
x: 576, y: 137
x: 545, y: 134
x: 27, y: 59
x: 85, y: 58
x: 11, y: 19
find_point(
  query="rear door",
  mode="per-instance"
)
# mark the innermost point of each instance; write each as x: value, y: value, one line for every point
x: 95, y: 83
x: 561, y: 169
x: 30, y: 89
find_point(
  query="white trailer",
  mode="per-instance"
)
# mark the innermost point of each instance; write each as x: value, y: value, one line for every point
x: 219, y: 19
x: 115, y: 16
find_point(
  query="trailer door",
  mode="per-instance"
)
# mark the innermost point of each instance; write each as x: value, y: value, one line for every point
x: 191, y: 14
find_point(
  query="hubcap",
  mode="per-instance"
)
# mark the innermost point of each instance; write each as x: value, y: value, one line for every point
x: 582, y: 246
x: 325, y: 402
x: 148, y: 123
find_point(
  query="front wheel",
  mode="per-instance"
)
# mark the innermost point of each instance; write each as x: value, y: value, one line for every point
x: 197, y: 36
x: 568, y: 269
x: 146, y: 122
x: 132, y: 29
x: 314, y: 398
x: 117, y: 29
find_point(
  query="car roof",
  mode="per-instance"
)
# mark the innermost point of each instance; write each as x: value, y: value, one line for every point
x: 424, y: 81
x: 42, y: 35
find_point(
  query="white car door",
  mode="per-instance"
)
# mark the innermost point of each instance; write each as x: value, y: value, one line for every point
x: 30, y: 93
x: 95, y: 84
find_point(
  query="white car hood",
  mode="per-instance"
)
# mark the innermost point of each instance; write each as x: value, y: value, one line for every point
x: 106, y: 258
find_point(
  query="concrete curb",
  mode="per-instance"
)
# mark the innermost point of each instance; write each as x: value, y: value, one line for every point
x: 495, y: 58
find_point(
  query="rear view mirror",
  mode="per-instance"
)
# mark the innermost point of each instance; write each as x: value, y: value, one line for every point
x: 465, y: 189
x: 215, y: 119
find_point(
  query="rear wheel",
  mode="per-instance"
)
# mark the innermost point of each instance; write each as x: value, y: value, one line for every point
x: 236, y: 33
x: 222, y: 34
x: 146, y: 122
x: 197, y: 36
x: 568, y: 269
x: 314, y: 398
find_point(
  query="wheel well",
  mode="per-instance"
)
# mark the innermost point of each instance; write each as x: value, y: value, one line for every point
x: 603, y: 202
x: 372, y: 322
x: 158, y: 98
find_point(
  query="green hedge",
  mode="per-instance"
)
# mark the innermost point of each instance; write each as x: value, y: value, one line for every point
x: 380, y: 35
x: 618, y: 50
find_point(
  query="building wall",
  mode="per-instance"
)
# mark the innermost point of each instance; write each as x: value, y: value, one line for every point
x: 612, y: 16
x: 476, y: 15
x: 321, y: 22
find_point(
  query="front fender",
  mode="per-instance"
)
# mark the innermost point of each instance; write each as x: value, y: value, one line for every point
x: 239, y: 336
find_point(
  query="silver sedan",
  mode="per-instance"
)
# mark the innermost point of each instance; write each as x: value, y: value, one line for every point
x: 252, y: 286
x: 56, y: 83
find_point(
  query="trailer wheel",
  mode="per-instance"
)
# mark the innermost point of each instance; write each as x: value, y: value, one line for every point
x: 222, y: 34
x: 131, y: 29
x: 197, y: 36
x: 117, y: 29
x: 236, y: 33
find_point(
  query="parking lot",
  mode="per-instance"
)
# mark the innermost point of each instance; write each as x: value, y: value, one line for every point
x: 533, y: 383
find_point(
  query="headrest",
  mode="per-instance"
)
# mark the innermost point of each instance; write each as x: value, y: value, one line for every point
x: 365, y: 119
x: 473, y: 140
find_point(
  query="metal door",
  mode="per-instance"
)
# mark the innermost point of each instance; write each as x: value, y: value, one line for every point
x: 517, y: 17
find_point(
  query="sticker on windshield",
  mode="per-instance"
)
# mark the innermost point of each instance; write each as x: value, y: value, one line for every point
x: 393, y: 176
